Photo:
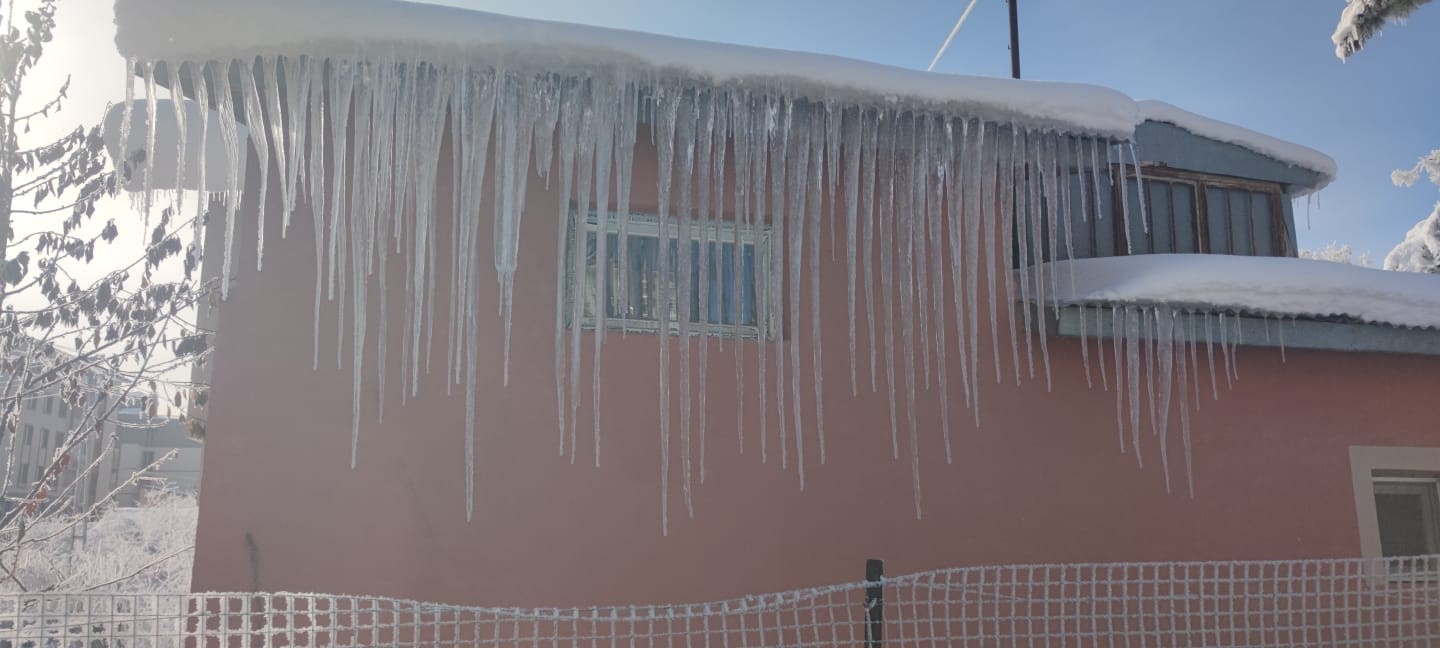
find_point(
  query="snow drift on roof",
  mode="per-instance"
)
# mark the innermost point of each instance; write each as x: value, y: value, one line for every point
x: 1272, y: 286
x: 199, y: 29
x: 190, y: 29
x: 1290, y: 153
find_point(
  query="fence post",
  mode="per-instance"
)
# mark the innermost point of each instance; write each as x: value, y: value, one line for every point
x: 874, y: 603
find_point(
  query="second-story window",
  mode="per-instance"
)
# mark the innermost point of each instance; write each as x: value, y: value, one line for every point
x: 1198, y: 213
x: 735, y: 283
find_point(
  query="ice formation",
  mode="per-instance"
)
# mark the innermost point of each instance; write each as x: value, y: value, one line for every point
x: 938, y: 180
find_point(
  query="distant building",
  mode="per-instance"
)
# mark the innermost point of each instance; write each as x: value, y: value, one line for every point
x: 139, y: 443
x: 47, y: 421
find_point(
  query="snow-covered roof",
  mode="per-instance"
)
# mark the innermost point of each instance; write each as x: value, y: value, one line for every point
x: 217, y: 29
x: 1270, y: 286
x: 1277, y: 149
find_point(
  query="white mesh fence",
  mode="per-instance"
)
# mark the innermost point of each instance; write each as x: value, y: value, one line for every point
x: 1351, y: 602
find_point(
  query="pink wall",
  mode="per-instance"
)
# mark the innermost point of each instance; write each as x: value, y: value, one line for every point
x: 1042, y: 480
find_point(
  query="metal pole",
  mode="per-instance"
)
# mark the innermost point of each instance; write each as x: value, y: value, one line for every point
x: 874, y: 603
x: 1014, y: 38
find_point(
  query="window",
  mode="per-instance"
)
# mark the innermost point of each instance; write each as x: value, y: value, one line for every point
x: 1397, y: 504
x: 1193, y: 212
x: 147, y: 457
x: 44, y: 438
x: 49, y: 404
x: 29, y: 434
x: 1407, y: 510
x: 1186, y: 212
x: 30, y: 404
x: 736, y: 299
x: 64, y: 408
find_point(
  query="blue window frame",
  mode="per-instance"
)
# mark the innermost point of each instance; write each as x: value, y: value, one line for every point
x: 737, y: 281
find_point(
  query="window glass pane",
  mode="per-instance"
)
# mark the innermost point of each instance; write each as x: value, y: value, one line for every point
x: 1081, y: 222
x: 1161, y: 217
x: 1264, y: 224
x: 1182, y: 205
x: 1216, y: 213
x: 1407, y: 515
x: 1240, y: 221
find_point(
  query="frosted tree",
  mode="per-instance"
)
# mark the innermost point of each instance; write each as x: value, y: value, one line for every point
x: 135, y: 549
x: 1335, y: 252
x: 88, y: 317
x: 1419, y: 251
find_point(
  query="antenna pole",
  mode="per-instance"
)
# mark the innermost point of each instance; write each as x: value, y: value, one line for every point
x: 1014, y: 38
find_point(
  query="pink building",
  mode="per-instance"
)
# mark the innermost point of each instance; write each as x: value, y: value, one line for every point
x: 857, y: 372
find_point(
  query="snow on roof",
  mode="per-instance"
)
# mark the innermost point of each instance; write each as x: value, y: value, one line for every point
x: 209, y: 29
x: 1287, y: 152
x: 1284, y: 287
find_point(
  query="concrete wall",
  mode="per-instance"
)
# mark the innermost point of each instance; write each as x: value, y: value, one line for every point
x: 1041, y: 480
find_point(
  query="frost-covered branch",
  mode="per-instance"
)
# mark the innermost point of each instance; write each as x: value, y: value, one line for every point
x: 1362, y: 19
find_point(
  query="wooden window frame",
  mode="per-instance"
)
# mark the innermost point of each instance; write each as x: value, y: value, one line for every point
x: 1200, y: 183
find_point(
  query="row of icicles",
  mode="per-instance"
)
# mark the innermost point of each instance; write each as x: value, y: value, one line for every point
x: 930, y: 205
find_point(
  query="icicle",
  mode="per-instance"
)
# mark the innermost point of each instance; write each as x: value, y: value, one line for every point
x: 916, y: 192
x: 127, y: 115
x: 956, y: 170
x: 796, y: 215
x: 1225, y: 351
x: 1140, y: 182
x: 1118, y: 337
x: 234, y: 156
x: 779, y: 115
x: 202, y: 102
x: 1009, y: 165
x: 936, y: 174
x: 967, y: 251
x: 1085, y: 348
x: 762, y: 127
x: 818, y: 148
x: 605, y: 135
x: 704, y: 180
x: 985, y: 220
x: 667, y: 105
x: 1124, y: 198
x: 1100, y: 343
x: 685, y: 250
x: 568, y: 232
x: 274, y: 119
x: 1132, y: 378
x: 585, y: 175
x: 1050, y: 216
x: 256, y: 121
x: 1210, y: 354
x: 742, y: 134
x: 869, y: 145
x: 854, y: 132
x: 178, y: 107
x: 147, y: 76
x: 1024, y: 231
x: 1165, y: 337
x: 887, y: 223
x: 906, y: 224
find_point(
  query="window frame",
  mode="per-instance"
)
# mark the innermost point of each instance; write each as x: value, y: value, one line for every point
x: 1199, y: 183
x: 645, y: 224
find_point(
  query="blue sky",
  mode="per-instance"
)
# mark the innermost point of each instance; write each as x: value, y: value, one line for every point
x: 1267, y: 65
